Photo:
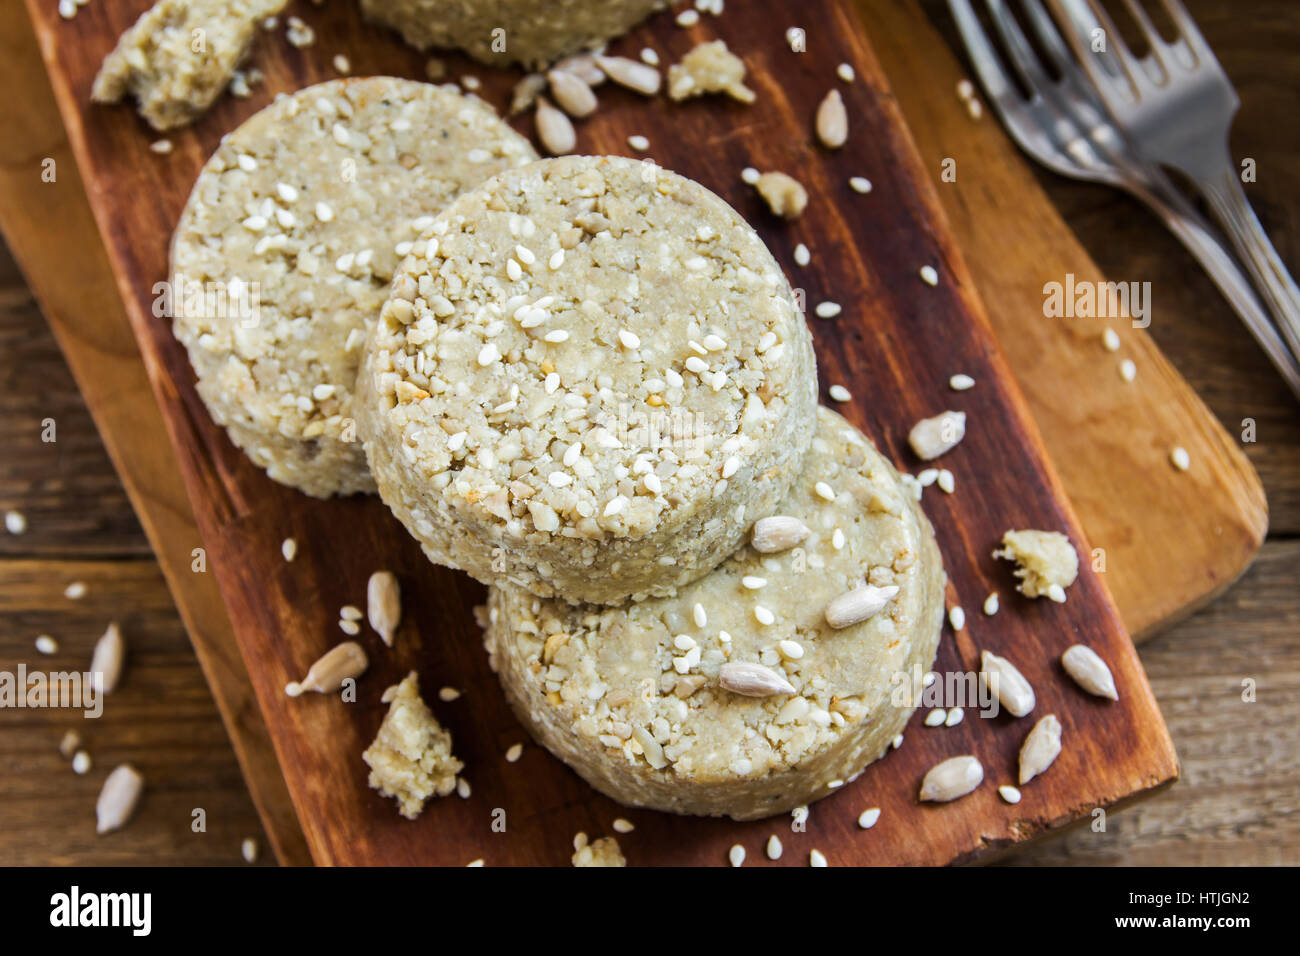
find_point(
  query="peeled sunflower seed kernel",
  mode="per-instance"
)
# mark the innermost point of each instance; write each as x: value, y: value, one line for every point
x: 777, y: 533
x: 554, y: 129
x: 118, y: 798
x: 571, y: 94
x: 583, y: 66
x: 384, y: 604
x: 1007, y: 683
x: 525, y: 92
x: 857, y: 605
x: 955, y: 777
x: 931, y: 437
x: 110, y: 651
x: 832, y: 121
x: 1089, y: 671
x: 1041, y: 747
x: 636, y: 76
x: 753, y: 680
x: 347, y: 660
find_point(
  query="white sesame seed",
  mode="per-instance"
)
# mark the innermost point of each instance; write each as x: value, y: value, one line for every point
x: 965, y: 89
x: 81, y: 762
x: 556, y: 337
x: 351, y: 628
x: 801, y: 255
x: 76, y: 590
x: 1181, y: 459
x: 957, y: 618
x: 696, y: 364
x: 954, y: 717
x: 629, y: 339
x: 867, y: 819
x: 639, y: 143
x: 929, y: 275
x: 514, y: 272
x: 67, y: 9
x: 732, y: 465
x: 688, y: 18
x: 749, y: 175
x: 341, y: 135
x: 488, y: 354
x: 897, y: 741
x: 323, y: 212
x: 652, y: 483
x: 724, y: 637
x: 1056, y: 593
x: 448, y: 694
x: 927, y: 477
x: 1128, y: 370
x: 946, y: 481
x: 860, y: 184
x: 991, y: 604
x: 841, y: 394
x: 774, y: 847
x: 255, y: 223
x: 792, y: 650
x: 714, y: 343
x: 341, y: 64
x: 47, y: 645
x: 837, y: 539
x: 960, y: 383
x: 457, y: 441
x: 556, y: 260
x: 817, y: 858
x: 623, y: 826
x: 287, y: 192
x: 475, y: 863
x: 525, y: 255
x: 350, y: 612
x: 462, y: 788
x: 736, y: 855
x: 649, y: 56
x: 1110, y: 339
x: 161, y: 146
x: 824, y: 491
x: 845, y: 72
x: 827, y: 310
x: 514, y: 753
x: 936, y: 717
x: 763, y: 615
x: 930, y: 678
x: 558, y: 479
x: 753, y: 583
x: 616, y: 504
x: 15, y: 522
x: 1009, y: 793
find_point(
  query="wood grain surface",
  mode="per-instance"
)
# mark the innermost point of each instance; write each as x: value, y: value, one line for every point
x: 243, y: 516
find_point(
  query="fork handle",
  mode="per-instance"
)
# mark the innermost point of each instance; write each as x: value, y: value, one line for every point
x: 1276, y: 287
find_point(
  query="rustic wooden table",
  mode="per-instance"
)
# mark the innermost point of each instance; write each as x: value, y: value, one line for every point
x: 1238, y: 801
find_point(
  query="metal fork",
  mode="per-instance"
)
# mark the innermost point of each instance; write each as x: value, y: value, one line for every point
x: 1176, y: 105
x: 1063, y: 125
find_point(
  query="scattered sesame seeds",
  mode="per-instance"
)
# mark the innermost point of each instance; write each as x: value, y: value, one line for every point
x: 827, y: 310
x: 67, y: 9
x: 462, y: 788
x: 1128, y: 370
x: 488, y: 354
x: 696, y: 364
x: 860, y: 184
x: 514, y: 753
x: 286, y: 192
x: 867, y: 819
x: 845, y: 72
x: 684, y: 642
x: 475, y: 863
x: 448, y: 694
x: 837, y: 539
x: 700, y: 615
x: 639, y: 143
x: 47, y: 645
x: 956, y: 617
x: 955, y: 716
x: 927, y: 477
x: 1056, y: 593
x: 248, y: 850
x: 936, y: 717
x: 801, y: 255
x: 1110, y: 339
x: 736, y: 855
x: 991, y: 604
x: 824, y: 491
x: 350, y: 628
x: 817, y: 858
x: 81, y: 762
x: 731, y: 465
x: 897, y: 741
x: 652, y: 483
x: 965, y: 89
x: 622, y: 825
x: 753, y: 583
x: 840, y: 394
x: 961, y: 382
x: 289, y: 549
x: 470, y: 82
x: 15, y: 522
x: 1181, y: 459
x: 75, y: 591
x: 161, y: 146
x: 342, y: 64
x: 649, y: 56
x: 749, y: 175
x: 764, y: 616
x: 946, y: 481
x: 929, y: 275
x: 629, y: 339
x: 774, y: 847
x: 1009, y: 794
x: 556, y: 337
x: 688, y: 18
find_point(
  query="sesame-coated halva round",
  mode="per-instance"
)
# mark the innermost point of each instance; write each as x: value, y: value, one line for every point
x: 284, y: 252
x: 641, y: 700
x: 590, y: 384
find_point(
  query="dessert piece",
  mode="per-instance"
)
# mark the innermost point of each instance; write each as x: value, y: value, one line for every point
x: 498, y: 32
x: 411, y: 756
x: 709, y: 68
x: 601, y: 852
x: 179, y: 56
x: 737, y: 697
x: 284, y: 252
x: 590, y: 385
x: 1046, y: 562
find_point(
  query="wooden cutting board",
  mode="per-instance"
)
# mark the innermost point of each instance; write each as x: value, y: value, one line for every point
x: 895, y: 347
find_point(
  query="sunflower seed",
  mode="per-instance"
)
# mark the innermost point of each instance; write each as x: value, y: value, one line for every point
x: 1089, y: 671
x: 955, y: 777
x: 832, y: 121
x: 117, y: 799
x: 774, y: 848
x: 636, y: 76
x: 777, y: 533
x: 584, y: 67
x: 858, y: 604
x: 1007, y: 683
x: 347, y: 660
x: 106, y: 662
x: 1041, y: 747
x: 554, y: 129
x: 571, y: 94
x: 753, y: 680
x: 867, y: 819
x: 526, y: 92
x: 384, y: 604
x: 931, y: 437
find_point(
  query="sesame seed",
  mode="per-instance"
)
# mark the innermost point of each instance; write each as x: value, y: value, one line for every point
x: 255, y: 223
x: 525, y: 255
x: 652, y: 483
x: 557, y: 336
x: 827, y: 310
x: 837, y: 539
x: 475, y: 863
x: 556, y: 260
x: 1009, y: 793
x: 448, y: 694
x: 749, y: 175
x: 965, y: 89
x: 936, y: 717
x: 457, y: 441
x: 991, y: 604
x: 629, y: 339
x: 817, y: 858
x: 860, y: 184
x: 696, y: 364
x: 774, y: 847
x: 350, y: 612
x: 929, y: 276
x: 736, y: 855
x: 623, y: 826
x: 927, y: 477
x: 763, y: 615
x: 801, y: 255
x: 289, y: 549
x: 930, y: 678
x: 753, y: 583
x: 688, y: 18
x: 75, y: 591
x: 957, y: 618
x: 559, y: 479
x: 470, y: 82
x: 792, y: 650
x: 732, y: 465
x: 1181, y: 459
x: 514, y: 753
x: 714, y: 343
x: 841, y: 394
x: 287, y: 192
x: 573, y: 454
x: 351, y: 628
x: 1128, y: 370
x: 1110, y: 339
x: 462, y: 788
x: 341, y: 64
x: 946, y: 481
x: 867, y: 819
x: 845, y: 72
x: 615, y: 505
x: 81, y: 762
x: 1056, y: 593
x: 824, y: 491
x: 341, y: 135
x: 67, y: 9
x: 897, y: 741
x: 960, y: 383
x: 488, y: 354
x: 15, y: 522
x: 649, y: 56
x: 161, y: 146
x: 954, y: 717
x: 724, y: 637
x: 47, y: 645
x: 639, y: 143
x: 246, y: 163
x: 514, y: 272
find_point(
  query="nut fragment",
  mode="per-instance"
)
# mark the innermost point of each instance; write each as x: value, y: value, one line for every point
x: 931, y: 437
x: 636, y: 76
x: 1041, y: 747
x: 106, y: 662
x: 832, y: 121
x: 753, y: 680
x: 859, y: 604
x: 1007, y: 683
x: 384, y: 604
x: 554, y: 129
x: 584, y: 67
x: 777, y: 533
x: 571, y: 94
x: 347, y: 660
x: 525, y: 92
x: 1089, y: 671
x: 118, y: 798
x: 955, y: 777
x: 783, y: 194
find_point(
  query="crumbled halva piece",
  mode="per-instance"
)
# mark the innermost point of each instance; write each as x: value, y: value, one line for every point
x: 932, y: 437
x: 783, y: 194
x: 411, y: 756
x: 1046, y: 562
x: 601, y: 852
x: 178, y: 57
x: 709, y: 68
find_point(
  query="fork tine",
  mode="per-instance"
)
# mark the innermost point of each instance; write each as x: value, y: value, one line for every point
x: 1023, y: 58
x: 1188, y: 31
x: 987, y: 64
x: 1048, y: 36
x: 1083, y: 16
x: 1154, y: 40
